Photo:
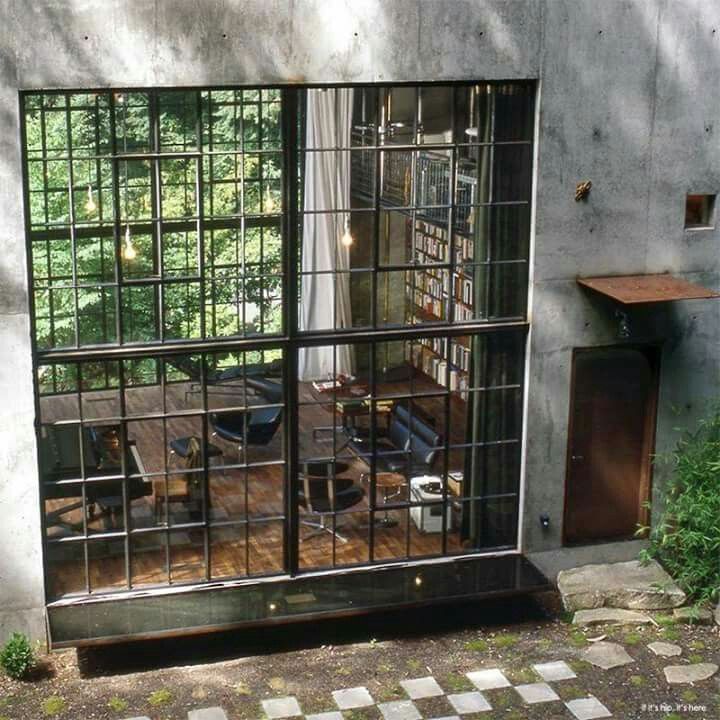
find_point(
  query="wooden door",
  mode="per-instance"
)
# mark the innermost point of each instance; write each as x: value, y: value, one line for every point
x: 610, y: 442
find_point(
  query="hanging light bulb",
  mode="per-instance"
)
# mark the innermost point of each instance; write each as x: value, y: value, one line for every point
x: 347, y: 239
x: 90, y: 205
x: 129, y: 252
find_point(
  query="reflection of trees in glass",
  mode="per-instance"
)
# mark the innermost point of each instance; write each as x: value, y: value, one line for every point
x: 226, y: 142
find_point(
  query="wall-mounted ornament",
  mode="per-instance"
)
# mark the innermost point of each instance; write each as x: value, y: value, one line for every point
x: 582, y: 190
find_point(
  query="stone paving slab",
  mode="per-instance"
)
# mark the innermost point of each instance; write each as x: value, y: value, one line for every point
x: 680, y: 674
x: 213, y: 713
x: 353, y: 698
x: 488, y: 679
x: 589, y: 708
x: 536, y: 693
x: 607, y: 655
x: 664, y: 649
x: 629, y: 585
x: 554, y: 671
x: 693, y: 616
x: 332, y: 715
x: 469, y: 702
x: 283, y: 707
x: 616, y: 616
x: 399, y: 710
x: 420, y: 688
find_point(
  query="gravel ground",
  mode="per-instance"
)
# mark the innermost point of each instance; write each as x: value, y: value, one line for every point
x: 165, y: 679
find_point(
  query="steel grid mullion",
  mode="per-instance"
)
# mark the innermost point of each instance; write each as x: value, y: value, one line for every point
x: 200, y: 208
x: 290, y: 249
x: 83, y: 476
x: 117, y: 261
x: 127, y: 510
x: 206, y: 467
x: 239, y: 279
x: 157, y: 211
x: 71, y: 215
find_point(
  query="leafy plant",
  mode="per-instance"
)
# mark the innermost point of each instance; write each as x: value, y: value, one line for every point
x: 54, y: 705
x: 117, y: 704
x: 160, y: 697
x: 686, y: 538
x: 17, y: 656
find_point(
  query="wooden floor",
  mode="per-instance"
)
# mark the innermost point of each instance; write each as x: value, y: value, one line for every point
x: 246, y: 506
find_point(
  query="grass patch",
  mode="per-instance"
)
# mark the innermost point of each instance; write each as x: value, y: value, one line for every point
x: 277, y: 684
x: 54, y: 705
x: 665, y: 621
x: 414, y: 665
x: 695, y: 658
x: 632, y: 638
x: 477, y: 645
x: 160, y: 697
x: 689, y: 696
x: 117, y: 704
x: 637, y: 680
x: 697, y: 645
x: 521, y: 676
x: 577, y: 639
x: 569, y: 691
x: 457, y: 683
x: 578, y: 666
x: 386, y: 694
x: 242, y: 689
x: 506, y: 640
x: 670, y: 634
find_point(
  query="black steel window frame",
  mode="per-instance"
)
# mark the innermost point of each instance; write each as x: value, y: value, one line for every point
x: 290, y: 340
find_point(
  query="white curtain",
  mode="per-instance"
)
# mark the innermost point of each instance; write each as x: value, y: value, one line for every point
x: 325, y: 298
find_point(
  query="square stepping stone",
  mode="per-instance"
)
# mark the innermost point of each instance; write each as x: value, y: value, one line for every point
x: 399, y: 710
x: 488, y: 679
x: 589, y: 708
x: 469, y: 702
x: 284, y: 707
x: 554, y: 671
x: 352, y: 698
x: 213, y: 713
x: 422, y: 688
x: 332, y: 715
x: 536, y: 693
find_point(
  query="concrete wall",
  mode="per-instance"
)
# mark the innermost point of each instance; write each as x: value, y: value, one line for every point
x: 628, y: 100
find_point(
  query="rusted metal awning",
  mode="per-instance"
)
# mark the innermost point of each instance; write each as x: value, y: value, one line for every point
x: 639, y: 289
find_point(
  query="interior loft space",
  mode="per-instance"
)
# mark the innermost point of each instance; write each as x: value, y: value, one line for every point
x: 277, y: 330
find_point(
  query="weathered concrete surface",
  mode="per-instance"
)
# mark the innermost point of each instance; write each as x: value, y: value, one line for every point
x: 620, y: 585
x: 681, y: 674
x: 607, y: 655
x: 717, y: 614
x: 610, y: 616
x: 693, y: 616
x: 623, y: 98
x: 664, y: 649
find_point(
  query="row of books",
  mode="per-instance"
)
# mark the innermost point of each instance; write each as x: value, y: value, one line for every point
x: 433, y: 240
x: 430, y: 304
x: 433, y: 365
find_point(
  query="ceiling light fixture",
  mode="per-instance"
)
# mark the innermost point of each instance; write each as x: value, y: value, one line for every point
x: 129, y: 252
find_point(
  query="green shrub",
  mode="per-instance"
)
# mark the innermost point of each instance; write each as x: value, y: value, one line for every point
x: 686, y: 536
x: 17, y: 657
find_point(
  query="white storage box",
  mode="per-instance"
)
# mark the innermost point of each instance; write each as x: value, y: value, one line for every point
x: 428, y: 519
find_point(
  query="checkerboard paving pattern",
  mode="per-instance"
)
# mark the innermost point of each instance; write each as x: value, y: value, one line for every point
x: 486, y: 681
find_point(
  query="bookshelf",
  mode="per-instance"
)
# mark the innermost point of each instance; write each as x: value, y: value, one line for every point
x: 429, y: 291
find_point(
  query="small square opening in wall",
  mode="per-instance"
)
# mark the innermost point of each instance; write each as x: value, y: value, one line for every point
x: 699, y: 211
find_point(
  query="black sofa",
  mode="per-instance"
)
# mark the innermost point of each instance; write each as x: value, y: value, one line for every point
x: 410, y: 446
